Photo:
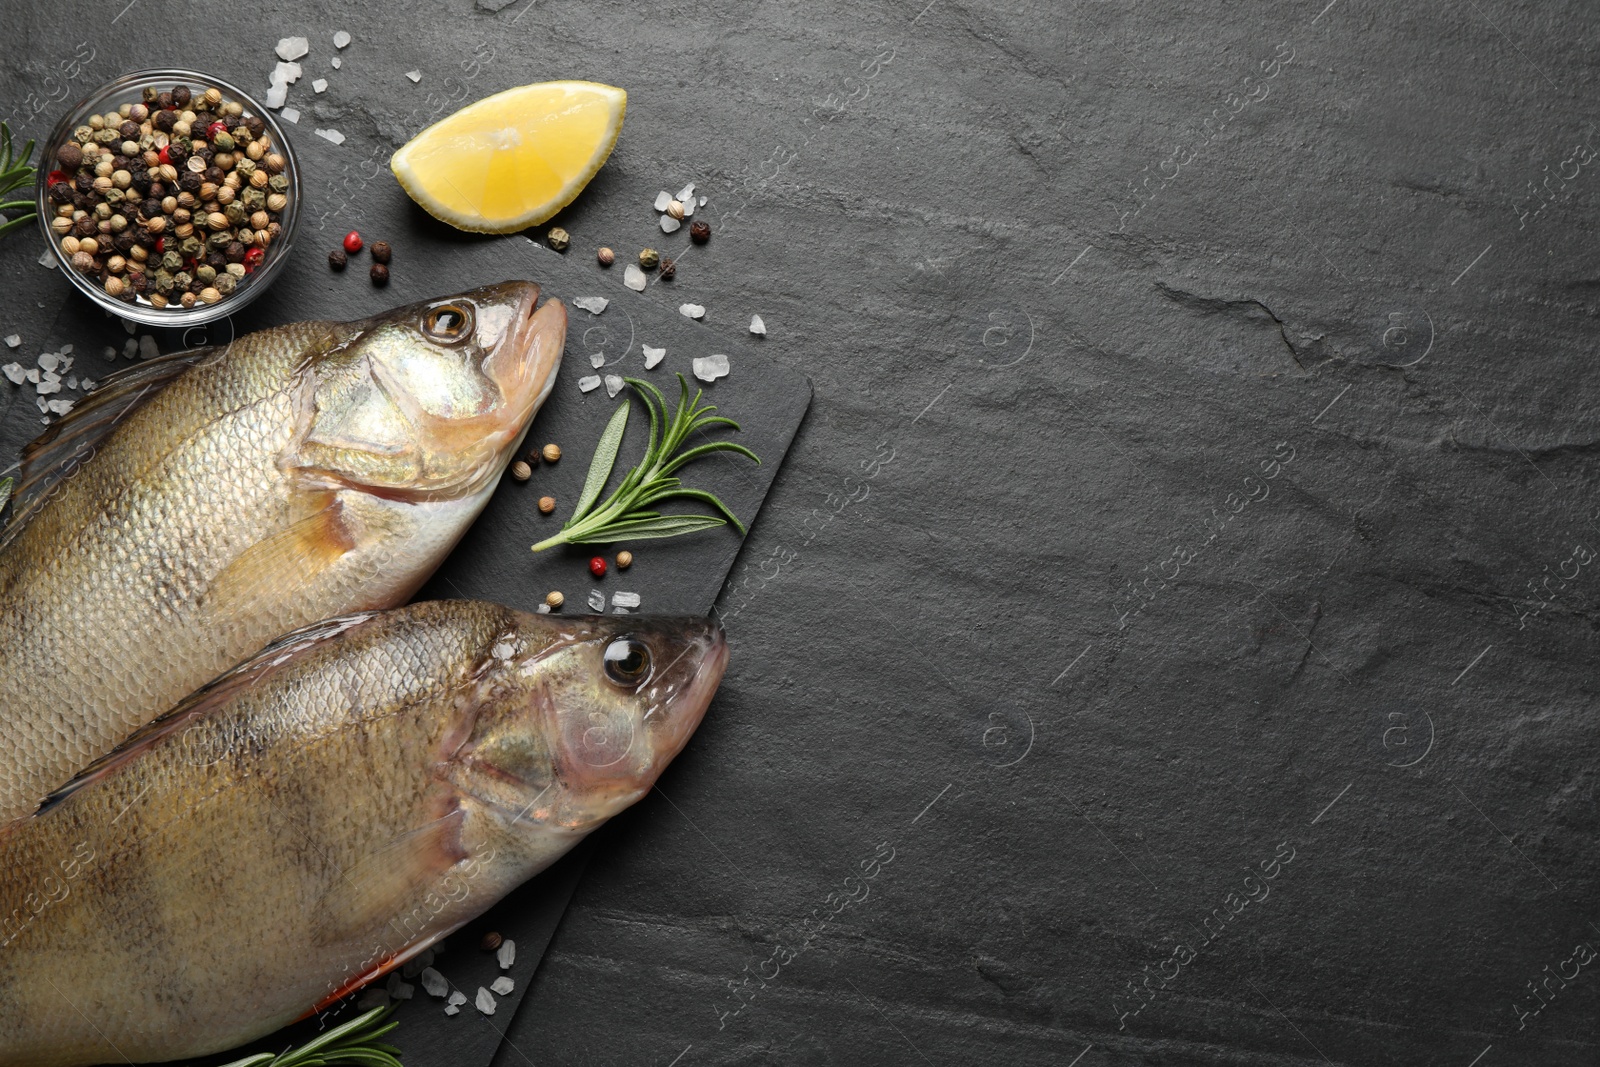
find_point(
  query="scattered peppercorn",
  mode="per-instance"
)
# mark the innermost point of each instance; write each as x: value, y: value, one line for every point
x: 554, y: 598
x: 558, y: 239
x: 491, y: 941
x: 669, y: 269
x: 675, y: 210
x: 547, y: 504
x: 624, y: 560
x: 699, y: 231
x: 597, y: 567
x: 649, y: 258
x: 337, y: 259
x: 381, y: 252
x: 521, y: 471
x: 606, y: 257
x: 352, y: 242
x: 551, y: 453
x: 380, y: 274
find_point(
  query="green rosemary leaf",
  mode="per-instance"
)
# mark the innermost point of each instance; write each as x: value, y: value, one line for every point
x: 356, y: 1042
x: 705, y: 450
x: 605, y: 457
x: 17, y: 223
x: 647, y: 529
x: 700, y: 495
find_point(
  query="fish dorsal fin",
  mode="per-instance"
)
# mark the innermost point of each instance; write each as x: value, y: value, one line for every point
x: 58, y: 451
x: 205, y: 700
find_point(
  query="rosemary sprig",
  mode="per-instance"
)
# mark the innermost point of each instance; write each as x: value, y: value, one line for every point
x: 15, y: 171
x: 626, y: 514
x: 356, y: 1042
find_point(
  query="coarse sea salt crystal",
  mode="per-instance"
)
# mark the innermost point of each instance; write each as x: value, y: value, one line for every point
x: 597, y: 360
x: 506, y: 954
x: 694, y: 311
x: 277, y: 93
x: 44, y: 405
x: 66, y: 350
x: 13, y: 340
x: 451, y: 1009
x: 624, y: 600
x: 710, y: 368
x: 336, y: 62
x: 457, y: 997
x: 702, y: 201
x: 414, y: 75
x: 633, y: 278
x: 291, y: 114
x: 341, y: 39
x: 503, y: 985
x: 543, y: 609
x: 32, y: 375
x: 685, y: 194
x: 148, y: 349
x: 485, y: 1001
x: 434, y: 982
x: 670, y: 224
x: 614, y: 384
x: 293, y: 47
x: 49, y: 361
x: 320, y: 85
x: 48, y: 259
x: 597, y: 600
x: 72, y: 383
x: 652, y: 356
x: 130, y: 349
x: 592, y: 304
x: 399, y: 989
x: 61, y: 407
x: 14, y: 372
x: 88, y: 386
x: 757, y: 326
x: 287, y: 73
x: 332, y: 135
x: 589, y: 383
x: 688, y: 207
x: 663, y: 198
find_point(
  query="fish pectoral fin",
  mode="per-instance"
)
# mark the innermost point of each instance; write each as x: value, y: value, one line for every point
x: 56, y: 453
x: 413, y: 871
x: 286, y: 563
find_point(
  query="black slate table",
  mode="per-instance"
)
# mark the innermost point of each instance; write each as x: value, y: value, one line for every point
x: 1170, y: 638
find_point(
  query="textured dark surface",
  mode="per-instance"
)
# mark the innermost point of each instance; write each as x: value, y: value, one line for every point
x: 1028, y: 251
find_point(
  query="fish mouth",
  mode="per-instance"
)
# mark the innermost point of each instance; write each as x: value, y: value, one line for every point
x: 689, y: 704
x: 524, y: 364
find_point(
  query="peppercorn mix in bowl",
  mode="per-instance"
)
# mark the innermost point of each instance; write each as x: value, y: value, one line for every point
x: 169, y: 197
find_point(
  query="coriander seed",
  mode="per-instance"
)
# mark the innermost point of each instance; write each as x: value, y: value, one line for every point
x: 547, y: 504
x: 649, y: 259
x: 606, y: 257
x: 624, y: 560
x: 675, y: 210
x: 491, y: 941
x: 551, y: 453
x: 554, y: 599
x: 521, y: 471
x: 558, y: 239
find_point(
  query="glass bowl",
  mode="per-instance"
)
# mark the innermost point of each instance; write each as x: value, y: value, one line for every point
x: 128, y: 89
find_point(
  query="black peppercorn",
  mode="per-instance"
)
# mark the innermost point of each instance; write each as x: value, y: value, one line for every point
x: 177, y: 154
x: 219, y: 260
x: 214, y: 175
x: 189, y: 182
x: 337, y: 259
x: 380, y: 274
x: 70, y: 155
x: 234, y: 253
x: 202, y: 120
x: 150, y: 208
x: 61, y: 193
x: 140, y: 282
x: 180, y: 95
x: 85, y: 227
x: 165, y: 120
x: 157, y: 190
x: 699, y: 231
x: 381, y: 252
x: 199, y: 148
x: 124, y: 241
x: 669, y: 268
x: 164, y: 101
x: 83, y: 181
x: 129, y: 130
x: 127, y: 296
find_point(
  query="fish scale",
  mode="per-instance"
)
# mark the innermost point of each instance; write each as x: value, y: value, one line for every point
x: 214, y: 514
x: 344, y: 799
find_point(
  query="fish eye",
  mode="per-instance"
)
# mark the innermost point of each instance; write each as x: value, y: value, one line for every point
x: 627, y: 661
x: 448, y: 323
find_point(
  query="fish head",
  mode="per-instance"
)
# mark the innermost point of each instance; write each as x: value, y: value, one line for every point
x: 429, y: 400
x: 578, y: 717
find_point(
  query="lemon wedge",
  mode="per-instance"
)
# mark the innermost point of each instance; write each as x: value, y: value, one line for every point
x: 513, y: 159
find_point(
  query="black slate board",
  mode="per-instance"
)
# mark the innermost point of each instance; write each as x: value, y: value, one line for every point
x: 677, y: 576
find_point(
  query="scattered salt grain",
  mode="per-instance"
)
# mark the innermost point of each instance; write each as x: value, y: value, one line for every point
x: 72, y: 383
x: 592, y: 304
x: 702, y: 201
x: 633, y: 278
x: 485, y: 1001
x: 694, y: 311
x: 688, y: 207
x: 416, y: 76
x: 652, y: 356
x: 399, y: 989
x: 320, y: 85
x: 685, y: 194
x: 44, y: 405
x: 624, y: 600
x: 543, y: 609
x: 506, y: 954
x: 14, y: 372
x: 341, y: 39
x: 597, y: 360
x: 130, y: 349
x: 663, y: 198
x: 332, y: 135
x: 49, y: 361
x: 13, y: 340
x: 148, y: 349
x: 291, y: 114
x: 48, y: 259
x: 589, y: 383
x: 336, y: 62
x: 613, y: 384
x: 32, y: 375
x: 88, y: 386
x: 66, y: 350
x: 710, y: 368
x: 757, y: 326
x: 503, y: 985
x: 597, y: 600
x: 451, y: 1009
x: 293, y: 47
x: 434, y: 983
x: 670, y: 224
x: 277, y: 93
x: 286, y: 73
x: 457, y: 998
x: 129, y: 326
x: 61, y: 407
